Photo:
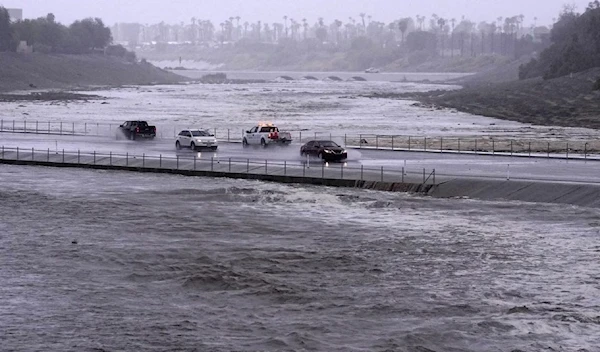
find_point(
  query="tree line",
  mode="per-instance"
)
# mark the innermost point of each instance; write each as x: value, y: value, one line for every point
x: 575, y: 45
x: 436, y: 37
x: 47, y: 35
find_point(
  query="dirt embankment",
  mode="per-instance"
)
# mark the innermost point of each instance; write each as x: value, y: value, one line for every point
x: 569, y: 101
x: 44, y: 71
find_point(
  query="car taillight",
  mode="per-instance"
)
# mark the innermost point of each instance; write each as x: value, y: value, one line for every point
x: 273, y: 135
x: 137, y: 129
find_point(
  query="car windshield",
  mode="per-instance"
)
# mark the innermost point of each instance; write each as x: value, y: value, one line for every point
x: 328, y: 144
x: 199, y: 133
x: 142, y: 124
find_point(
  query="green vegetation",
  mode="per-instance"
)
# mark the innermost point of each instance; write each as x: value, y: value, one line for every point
x: 575, y: 48
x: 45, y: 35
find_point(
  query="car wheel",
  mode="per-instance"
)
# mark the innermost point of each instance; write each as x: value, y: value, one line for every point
x: 213, y: 148
x: 193, y: 146
x: 244, y: 142
x: 263, y: 143
x: 321, y: 156
x: 177, y: 145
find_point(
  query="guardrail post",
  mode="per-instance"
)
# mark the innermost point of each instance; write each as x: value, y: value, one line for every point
x: 511, y: 147
x: 144, y: 160
x: 13, y: 129
x: 567, y: 150
x: 284, y: 168
x: 402, y: 174
x: 215, y: 134
x: 17, y: 153
x: 392, y: 142
x: 60, y: 128
x: 434, y: 177
x: 247, y: 166
x: 361, y: 172
x: 32, y: 154
x: 36, y: 127
x: 78, y: 157
x: 342, y: 171
x: 73, y: 128
x: 382, y: 174
x: 195, y: 162
x: 48, y: 127
x: 98, y: 129
x: 25, y: 126
x: 548, y: 149
x: 2, y: 125
x: 459, y: 146
x: 529, y: 148
x: 109, y: 158
x: 476, y: 150
x: 423, y: 175
x: 47, y: 155
x: 95, y: 158
x: 585, y: 151
x: 323, y: 170
x: 425, y: 144
x: 493, y: 147
x: 303, y: 170
x: 376, y: 141
x: 160, y: 160
x: 441, y: 144
x: 127, y: 159
x: 85, y: 128
x: 177, y: 165
x: 212, y: 163
x: 228, y: 135
x: 345, y: 139
x: 360, y: 141
x: 266, y: 172
x: 63, y: 156
x: 409, y: 143
x: 230, y: 165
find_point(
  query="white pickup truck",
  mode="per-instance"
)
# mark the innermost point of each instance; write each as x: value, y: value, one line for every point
x: 266, y: 134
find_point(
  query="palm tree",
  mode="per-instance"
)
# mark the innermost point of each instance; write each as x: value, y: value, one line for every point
x: 285, y: 23
x: 403, y: 26
x: 362, y: 16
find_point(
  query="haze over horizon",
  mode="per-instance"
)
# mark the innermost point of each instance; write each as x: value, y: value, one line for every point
x: 176, y: 11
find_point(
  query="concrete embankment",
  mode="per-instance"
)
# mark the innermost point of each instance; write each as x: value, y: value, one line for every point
x: 580, y: 194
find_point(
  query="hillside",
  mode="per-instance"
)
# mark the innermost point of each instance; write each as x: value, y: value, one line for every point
x: 46, y: 71
x: 572, y: 100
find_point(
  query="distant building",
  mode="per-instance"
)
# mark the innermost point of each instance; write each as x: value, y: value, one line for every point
x: 15, y: 14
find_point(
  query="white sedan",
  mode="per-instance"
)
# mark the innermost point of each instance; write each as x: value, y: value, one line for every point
x: 195, y: 139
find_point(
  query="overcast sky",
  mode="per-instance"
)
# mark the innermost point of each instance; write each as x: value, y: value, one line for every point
x: 175, y: 11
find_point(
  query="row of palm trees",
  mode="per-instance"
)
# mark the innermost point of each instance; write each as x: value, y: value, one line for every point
x: 336, y: 33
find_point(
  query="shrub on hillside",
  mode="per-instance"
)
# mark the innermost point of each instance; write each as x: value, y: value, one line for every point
x: 575, y: 46
x: 597, y: 84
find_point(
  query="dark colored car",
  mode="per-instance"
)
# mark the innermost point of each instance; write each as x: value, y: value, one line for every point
x: 326, y: 150
x: 136, y: 129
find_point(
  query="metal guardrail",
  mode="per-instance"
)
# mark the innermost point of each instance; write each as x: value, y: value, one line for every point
x: 468, y: 144
x: 323, y: 170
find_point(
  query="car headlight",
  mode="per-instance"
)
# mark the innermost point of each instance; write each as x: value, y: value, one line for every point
x: 328, y: 151
x: 344, y: 151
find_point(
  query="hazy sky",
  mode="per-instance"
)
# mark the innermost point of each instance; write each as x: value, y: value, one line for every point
x: 175, y: 11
